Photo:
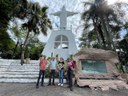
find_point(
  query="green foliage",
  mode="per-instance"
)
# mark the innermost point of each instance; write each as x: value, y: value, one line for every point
x: 5, y: 11
x: 34, y: 48
x: 123, y: 54
x: 37, y: 20
x: 47, y: 73
x: 17, y: 54
x: 120, y: 68
x: 17, y: 32
x: 6, y: 44
x: 10, y: 9
x: 87, y: 38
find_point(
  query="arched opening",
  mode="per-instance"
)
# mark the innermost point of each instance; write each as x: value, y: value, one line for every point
x: 61, y: 42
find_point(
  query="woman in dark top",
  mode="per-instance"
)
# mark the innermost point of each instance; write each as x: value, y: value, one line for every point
x: 61, y: 71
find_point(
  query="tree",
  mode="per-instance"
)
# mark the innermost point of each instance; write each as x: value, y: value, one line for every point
x: 35, y: 48
x: 9, y: 9
x: 6, y: 44
x: 37, y: 21
x: 103, y: 21
x: 87, y: 38
x: 17, y: 33
x: 5, y: 9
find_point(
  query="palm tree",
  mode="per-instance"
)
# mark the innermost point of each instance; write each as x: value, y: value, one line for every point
x: 19, y: 8
x: 103, y: 19
x: 38, y: 21
x: 91, y: 15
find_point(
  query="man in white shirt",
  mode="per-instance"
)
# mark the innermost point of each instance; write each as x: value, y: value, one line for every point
x: 53, y: 63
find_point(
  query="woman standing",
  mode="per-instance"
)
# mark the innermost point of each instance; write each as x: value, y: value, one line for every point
x: 60, y: 67
x: 71, y: 68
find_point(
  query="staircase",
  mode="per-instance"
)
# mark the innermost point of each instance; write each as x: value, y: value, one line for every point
x: 12, y: 71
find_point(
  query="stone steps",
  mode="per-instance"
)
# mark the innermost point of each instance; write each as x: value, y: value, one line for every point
x: 17, y: 80
x: 19, y: 76
x: 25, y: 80
x: 12, y: 71
x: 19, y: 72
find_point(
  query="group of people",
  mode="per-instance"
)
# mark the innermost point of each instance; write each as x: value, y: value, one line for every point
x: 55, y: 65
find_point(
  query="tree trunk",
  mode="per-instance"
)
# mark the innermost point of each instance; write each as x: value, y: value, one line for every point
x: 15, y: 49
x: 106, y: 33
x: 22, y: 56
x: 110, y: 34
x: 97, y: 33
x: 102, y: 36
x: 23, y: 48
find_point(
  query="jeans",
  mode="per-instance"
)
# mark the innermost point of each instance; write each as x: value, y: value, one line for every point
x: 41, y: 73
x: 70, y: 76
x: 61, y: 76
x: 52, y: 75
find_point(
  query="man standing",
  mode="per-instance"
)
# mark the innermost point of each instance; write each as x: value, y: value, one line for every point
x: 53, y: 63
x: 42, y: 66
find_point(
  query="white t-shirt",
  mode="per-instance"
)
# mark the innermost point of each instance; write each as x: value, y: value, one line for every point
x: 53, y: 64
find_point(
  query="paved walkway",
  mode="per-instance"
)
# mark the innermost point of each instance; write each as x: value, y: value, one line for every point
x: 13, y: 89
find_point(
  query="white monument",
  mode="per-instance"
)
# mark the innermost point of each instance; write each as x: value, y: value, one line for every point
x: 61, y: 41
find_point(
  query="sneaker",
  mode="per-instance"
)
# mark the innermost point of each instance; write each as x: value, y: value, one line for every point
x: 59, y: 84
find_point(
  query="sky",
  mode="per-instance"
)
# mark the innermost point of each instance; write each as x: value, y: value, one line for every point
x: 74, y: 21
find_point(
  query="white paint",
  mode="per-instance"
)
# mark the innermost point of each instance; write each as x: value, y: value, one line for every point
x: 63, y: 31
